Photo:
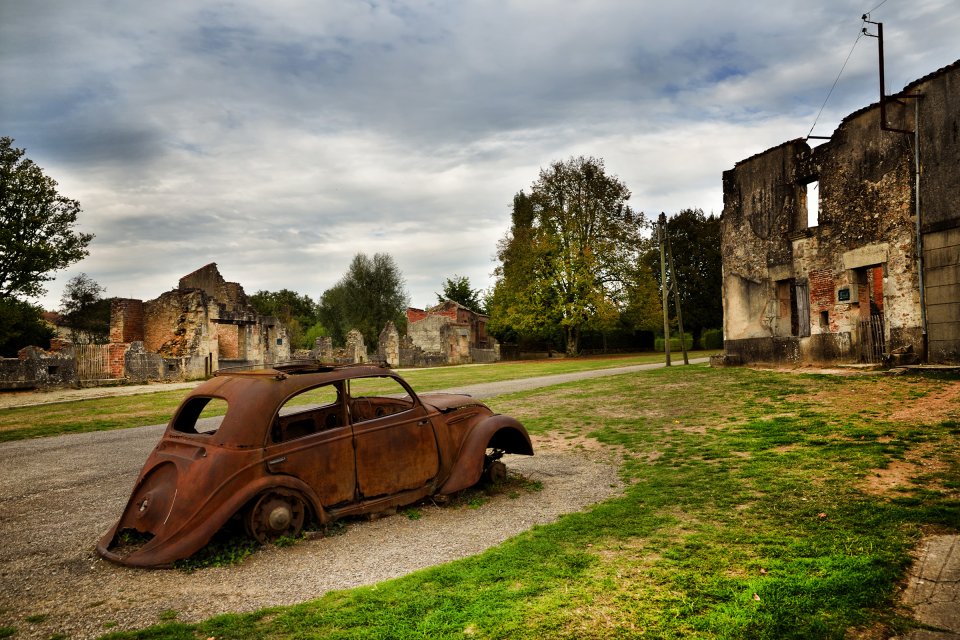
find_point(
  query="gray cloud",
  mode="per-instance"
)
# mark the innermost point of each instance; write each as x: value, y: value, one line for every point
x: 280, y: 140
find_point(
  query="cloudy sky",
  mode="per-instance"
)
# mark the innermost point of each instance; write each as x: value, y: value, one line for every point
x: 279, y: 139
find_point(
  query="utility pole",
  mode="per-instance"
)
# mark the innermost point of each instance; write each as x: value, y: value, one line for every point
x: 675, y: 285
x: 661, y: 235
x: 885, y: 126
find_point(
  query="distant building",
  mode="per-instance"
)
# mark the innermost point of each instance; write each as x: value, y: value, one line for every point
x: 448, y: 333
x: 206, y: 323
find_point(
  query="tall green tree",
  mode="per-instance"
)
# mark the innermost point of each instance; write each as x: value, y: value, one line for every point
x: 370, y: 293
x: 298, y: 313
x: 21, y: 325
x: 84, y: 311
x: 566, y: 259
x: 37, y: 234
x: 458, y: 289
x: 695, y: 243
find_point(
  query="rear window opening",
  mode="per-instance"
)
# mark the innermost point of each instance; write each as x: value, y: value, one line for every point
x: 201, y: 416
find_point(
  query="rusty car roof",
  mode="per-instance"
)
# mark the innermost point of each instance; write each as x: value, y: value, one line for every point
x: 254, y: 395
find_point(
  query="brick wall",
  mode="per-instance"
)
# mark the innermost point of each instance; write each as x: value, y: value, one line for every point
x: 228, y: 340
x: 126, y: 320
x: 117, y: 359
x: 821, y: 290
x: 161, y: 318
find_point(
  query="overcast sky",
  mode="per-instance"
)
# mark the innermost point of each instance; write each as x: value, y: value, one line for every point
x: 279, y: 139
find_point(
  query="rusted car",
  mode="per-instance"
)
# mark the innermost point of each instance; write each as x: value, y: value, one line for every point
x: 296, y: 442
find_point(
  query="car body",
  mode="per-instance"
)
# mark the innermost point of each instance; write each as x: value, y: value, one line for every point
x: 302, y: 441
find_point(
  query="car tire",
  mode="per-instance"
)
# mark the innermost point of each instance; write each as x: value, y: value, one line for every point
x: 495, y: 472
x: 275, y: 514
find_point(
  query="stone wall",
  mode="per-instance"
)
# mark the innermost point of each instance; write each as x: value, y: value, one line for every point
x: 35, y: 368
x: 388, y: 345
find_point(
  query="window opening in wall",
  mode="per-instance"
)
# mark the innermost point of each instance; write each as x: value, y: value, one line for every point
x: 53, y: 370
x: 825, y: 320
x: 813, y: 203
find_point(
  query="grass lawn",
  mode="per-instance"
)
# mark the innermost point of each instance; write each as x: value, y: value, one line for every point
x: 760, y: 505
x: 99, y: 414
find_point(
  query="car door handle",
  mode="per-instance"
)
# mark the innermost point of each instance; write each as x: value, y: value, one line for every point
x: 423, y: 422
x: 270, y: 463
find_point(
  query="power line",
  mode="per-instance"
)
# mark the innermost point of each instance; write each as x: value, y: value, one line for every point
x: 830, y: 93
x: 860, y: 34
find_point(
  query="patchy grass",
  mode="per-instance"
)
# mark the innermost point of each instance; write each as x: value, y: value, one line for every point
x: 747, y: 515
x: 101, y: 414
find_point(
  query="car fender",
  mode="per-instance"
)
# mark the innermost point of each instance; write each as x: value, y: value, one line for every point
x: 196, y: 533
x: 497, y: 431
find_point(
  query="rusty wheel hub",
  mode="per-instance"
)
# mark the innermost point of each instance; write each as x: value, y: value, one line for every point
x: 276, y: 514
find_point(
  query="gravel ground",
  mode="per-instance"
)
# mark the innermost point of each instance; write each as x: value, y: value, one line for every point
x: 58, y: 495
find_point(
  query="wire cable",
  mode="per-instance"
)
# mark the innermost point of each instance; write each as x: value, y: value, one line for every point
x: 830, y: 93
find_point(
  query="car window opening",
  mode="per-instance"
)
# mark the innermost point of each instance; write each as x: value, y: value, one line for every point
x: 312, y: 411
x: 201, y: 416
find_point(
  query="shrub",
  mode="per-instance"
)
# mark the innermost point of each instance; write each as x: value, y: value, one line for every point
x: 712, y: 339
x: 675, y: 342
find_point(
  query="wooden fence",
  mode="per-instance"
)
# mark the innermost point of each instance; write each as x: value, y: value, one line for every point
x: 93, y: 362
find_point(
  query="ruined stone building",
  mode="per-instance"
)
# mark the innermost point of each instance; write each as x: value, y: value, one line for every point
x: 872, y: 270
x: 206, y: 323
x: 448, y: 333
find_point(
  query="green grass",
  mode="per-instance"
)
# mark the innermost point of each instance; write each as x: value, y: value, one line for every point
x: 748, y: 514
x: 101, y: 414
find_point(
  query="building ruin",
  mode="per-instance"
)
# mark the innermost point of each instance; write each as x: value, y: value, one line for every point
x: 448, y: 333
x: 845, y: 252
x: 205, y: 324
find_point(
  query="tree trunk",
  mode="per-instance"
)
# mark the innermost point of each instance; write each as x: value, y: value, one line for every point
x: 573, y: 341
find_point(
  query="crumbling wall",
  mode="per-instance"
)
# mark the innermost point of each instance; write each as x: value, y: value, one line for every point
x: 356, y: 350
x: 126, y: 320
x: 388, y: 348
x: 35, y: 368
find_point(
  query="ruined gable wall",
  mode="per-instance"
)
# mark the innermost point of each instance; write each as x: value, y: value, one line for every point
x: 940, y: 210
x: 762, y: 202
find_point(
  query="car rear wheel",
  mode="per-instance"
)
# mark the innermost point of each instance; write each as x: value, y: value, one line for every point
x: 275, y: 514
x: 494, y: 470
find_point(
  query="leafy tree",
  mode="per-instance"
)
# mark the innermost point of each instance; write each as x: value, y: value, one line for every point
x: 84, y: 311
x: 695, y: 244
x: 566, y: 259
x: 297, y: 312
x: 21, y: 325
x: 37, y: 235
x: 458, y: 289
x: 370, y: 293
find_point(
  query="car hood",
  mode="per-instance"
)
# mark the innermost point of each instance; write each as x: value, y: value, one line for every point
x: 444, y: 402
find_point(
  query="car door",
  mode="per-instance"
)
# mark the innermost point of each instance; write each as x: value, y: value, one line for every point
x: 396, y: 448
x: 311, y: 439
